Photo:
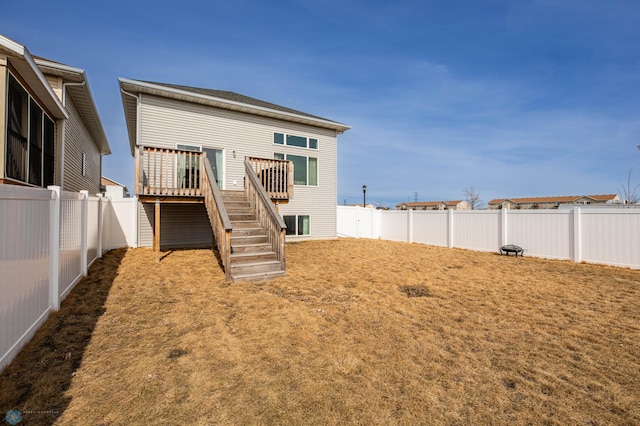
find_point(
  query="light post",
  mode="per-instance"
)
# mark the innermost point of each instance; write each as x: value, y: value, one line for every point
x: 364, y: 195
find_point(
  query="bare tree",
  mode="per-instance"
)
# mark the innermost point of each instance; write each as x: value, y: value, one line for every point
x: 629, y: 193
x: 473, y: 198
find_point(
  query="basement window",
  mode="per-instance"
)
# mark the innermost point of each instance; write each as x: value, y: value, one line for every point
x: 297, y: 224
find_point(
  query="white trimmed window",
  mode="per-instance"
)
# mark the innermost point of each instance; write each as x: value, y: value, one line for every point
x: 305, y: 169
x: 297, y: 224
x: 293, y: 140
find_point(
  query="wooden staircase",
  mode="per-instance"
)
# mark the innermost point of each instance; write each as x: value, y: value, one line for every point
x: 252, y: 256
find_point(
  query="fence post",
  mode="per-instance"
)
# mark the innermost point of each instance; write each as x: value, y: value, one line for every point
x: 410, y: 225
x: 100, y: 219
x: 84, y: 234
x: 450, y: 228
x: 54, y: 247
x: 503, y: 227
x: 577, y: 243
x: 373, y: 217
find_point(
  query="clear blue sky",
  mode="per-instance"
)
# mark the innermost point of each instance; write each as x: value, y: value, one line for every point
x: 516, y: 98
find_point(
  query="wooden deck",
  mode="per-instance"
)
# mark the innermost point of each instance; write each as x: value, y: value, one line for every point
x: 174, y: 175
x: 178, y: 176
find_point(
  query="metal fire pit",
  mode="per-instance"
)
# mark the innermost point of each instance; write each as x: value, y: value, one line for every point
x: 510, y: 248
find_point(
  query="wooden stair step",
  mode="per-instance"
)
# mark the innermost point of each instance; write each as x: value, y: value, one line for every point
x: 252, y: 257
x: 259, y: 276
x: 248, y: 232
x: 255, y: 267
x: 251, y: 248
x: 245, y: 224
x: 248, y: 240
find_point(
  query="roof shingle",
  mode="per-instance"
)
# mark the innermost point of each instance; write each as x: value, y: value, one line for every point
x: 236, y: 97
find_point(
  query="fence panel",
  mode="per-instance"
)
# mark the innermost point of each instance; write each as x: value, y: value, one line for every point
x: 34, y: 279
x: 122, y: 219
x: 357, y: 222
x: 70, y: 241
x: 394, y: 227
x: 542, y: 233
x: 24, y: 266
x: 476, y: 230
x: 603, y: 235
x: 430, y: 227
x: 92, y: 229
x: 347, y: 221
x: 611, y: 236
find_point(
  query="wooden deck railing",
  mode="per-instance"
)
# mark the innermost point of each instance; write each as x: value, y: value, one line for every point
x: 276, y: 176
x: 266, y: 213
x: 220, y: 223
x: 168, y: 172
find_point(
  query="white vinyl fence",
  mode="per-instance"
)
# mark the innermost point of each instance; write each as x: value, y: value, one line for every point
x: 604, y: 236
x: 48, y: 240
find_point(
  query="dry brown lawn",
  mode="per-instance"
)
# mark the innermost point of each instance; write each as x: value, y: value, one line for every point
x: 358, y: 332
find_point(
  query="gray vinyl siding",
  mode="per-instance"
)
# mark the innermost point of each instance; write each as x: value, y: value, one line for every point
x: 166, y: 123
x: 145, y: 224
x: 181, y: 225
x: 78, y: 141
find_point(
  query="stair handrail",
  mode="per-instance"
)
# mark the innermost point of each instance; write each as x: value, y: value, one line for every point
x: 266, y: 213
x: 220, y: 223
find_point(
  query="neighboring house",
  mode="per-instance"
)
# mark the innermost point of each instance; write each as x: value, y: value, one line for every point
x: 114, y: 190
x: 434, y: 205
x: 171, y: 130
x: 368, y: 206
x: 51, y: 130
x: 553, y: 202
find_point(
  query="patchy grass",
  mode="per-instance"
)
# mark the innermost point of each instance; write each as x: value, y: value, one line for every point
x: 359, y: 331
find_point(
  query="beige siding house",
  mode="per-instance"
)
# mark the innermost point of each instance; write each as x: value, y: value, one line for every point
x: 171, y: 130
x: 552, y: 202
x: 112, y: 189
x: 51, y: 130
x: 434, y: 205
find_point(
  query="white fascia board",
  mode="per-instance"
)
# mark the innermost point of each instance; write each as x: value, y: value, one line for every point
x: 114, y: 182
x: 9, y: 44
x: 23, y: 53
x: 339, y: 127
x: 59, y: 66
x: 78, y: 74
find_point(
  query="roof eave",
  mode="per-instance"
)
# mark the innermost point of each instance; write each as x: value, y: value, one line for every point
x: 130, y: 107
x: 34, y: 77
x: 81, y: 92
x: 144, y: 87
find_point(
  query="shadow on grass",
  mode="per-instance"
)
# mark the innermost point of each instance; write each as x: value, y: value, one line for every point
x: 36, y: 381
x: 166, y: 252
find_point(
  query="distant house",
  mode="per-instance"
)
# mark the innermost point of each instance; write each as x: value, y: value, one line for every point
x: 368, y: 206
x: 434, y: 205
x: 51, y: 130
x: 221, y: 162
x: 552, y: 202
x: 113, y: 189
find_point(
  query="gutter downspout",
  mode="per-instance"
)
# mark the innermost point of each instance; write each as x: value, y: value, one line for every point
x: 64, y: 127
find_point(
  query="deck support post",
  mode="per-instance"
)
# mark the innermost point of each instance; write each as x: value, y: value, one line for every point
x: 156, y: 228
